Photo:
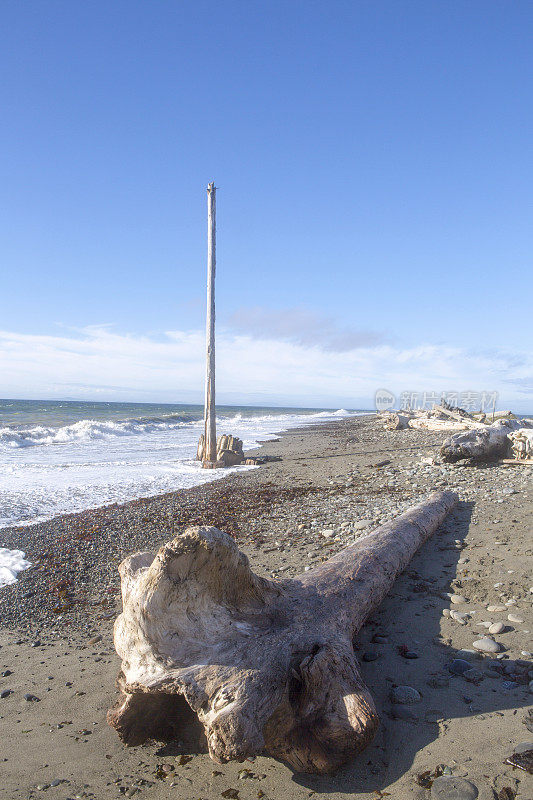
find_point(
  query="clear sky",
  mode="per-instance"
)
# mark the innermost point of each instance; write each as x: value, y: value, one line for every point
x: 374, y: 165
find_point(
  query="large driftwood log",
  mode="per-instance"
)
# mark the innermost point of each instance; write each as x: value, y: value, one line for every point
x: 486, y: 443
x: 434, y: 424
x: 265, y: 665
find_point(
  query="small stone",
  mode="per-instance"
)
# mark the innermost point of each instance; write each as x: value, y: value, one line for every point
x: 487, y: 646
x: 36, y: 643
x: 466, y: 653
x: 6, y: 673
x: 328, y: 534
x: 523, y: 747
x: 370, y: 656
x: 360, y: 526
x: 5, y: 693
x: 95, y: 639
x: 497, y: 627
x: 31, y: 698
x: 458, y: 599
x: 515, y: 618
x: 496, y: 608
x: 451, y: 788
x: 473, y: 676
x: 459, y: 666
x: 459, y: 616
x: 405, y: 695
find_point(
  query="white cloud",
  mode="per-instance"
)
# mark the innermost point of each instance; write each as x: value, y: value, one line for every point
x: 100, y: 363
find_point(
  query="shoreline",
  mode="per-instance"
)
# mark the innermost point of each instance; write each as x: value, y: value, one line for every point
x: 324, y: 493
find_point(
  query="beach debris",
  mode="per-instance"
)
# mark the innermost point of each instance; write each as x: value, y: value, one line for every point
x: 265, y: 665
x: 439, y: 418
x: 522, y: 444
x: 522, y: 760
x: 485, y: 443
x: 506, y: 793
x: 229, y: 452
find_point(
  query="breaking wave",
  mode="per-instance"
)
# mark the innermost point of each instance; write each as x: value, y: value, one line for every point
x: 88, y: 430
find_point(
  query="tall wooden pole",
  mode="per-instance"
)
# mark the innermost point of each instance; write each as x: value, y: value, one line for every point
x: 210, y: 450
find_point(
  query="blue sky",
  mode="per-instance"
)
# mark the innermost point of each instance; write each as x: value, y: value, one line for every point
x: 375, y: 169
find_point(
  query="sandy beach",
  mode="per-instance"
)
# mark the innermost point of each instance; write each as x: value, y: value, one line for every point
x: 325, y: 486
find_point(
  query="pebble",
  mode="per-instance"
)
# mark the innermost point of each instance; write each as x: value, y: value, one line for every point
x: 523, y: 747
x: 487, y: 646
x: 496, y: 608
x: 360, y: 526
x: 515, y: 618
x: 468, y: 654
x: 452, y: 788
x: 370, y: 656
x: 459, y: 616
x: 458, y: 599
x: 31, y: 698
x: 5, y: 693
x: 405, y: 695
x: 497, y: 627
x: 95, y: 639
x: 473, y: 675
x: 459, y: 666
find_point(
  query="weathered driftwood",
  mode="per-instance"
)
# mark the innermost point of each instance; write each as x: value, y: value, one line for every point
x: 486, y: 443
x: 395, y: 421
x: 210, y: 430
x: 434, y: 424
x: 228, y: 452
x: 265, y: 665
x: 463, y: 417
x: 522, y: 444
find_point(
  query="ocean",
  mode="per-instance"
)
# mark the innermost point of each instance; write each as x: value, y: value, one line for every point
x: 59, y: 457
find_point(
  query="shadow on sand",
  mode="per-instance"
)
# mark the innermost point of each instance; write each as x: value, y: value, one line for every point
x: 411, y: 616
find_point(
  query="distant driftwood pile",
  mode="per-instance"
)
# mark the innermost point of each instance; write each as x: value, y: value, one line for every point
x: 472, y: 436
x: 264, y: 665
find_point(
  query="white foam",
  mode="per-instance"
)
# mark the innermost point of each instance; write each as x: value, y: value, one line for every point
x: 48, y: 471
x: 11, y: 563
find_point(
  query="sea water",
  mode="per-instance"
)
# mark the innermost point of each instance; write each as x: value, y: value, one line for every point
x: 62, y: 457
